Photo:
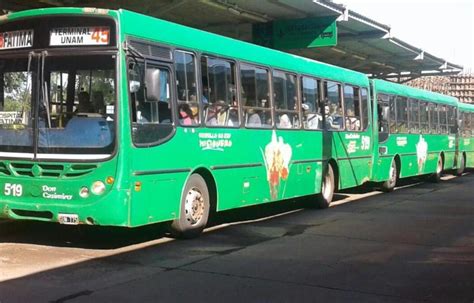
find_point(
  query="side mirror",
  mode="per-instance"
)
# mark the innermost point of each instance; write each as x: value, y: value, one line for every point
x: 152, y: 84
x: 385, y: 111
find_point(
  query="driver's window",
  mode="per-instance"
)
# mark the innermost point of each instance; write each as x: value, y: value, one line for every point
x: 151, y: 114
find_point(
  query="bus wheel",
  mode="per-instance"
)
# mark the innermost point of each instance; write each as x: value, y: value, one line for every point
x: 389, y: 185
x: 324, y: 198
x: 462, y: 166
x: 194, y: 210
x: 436, y: 177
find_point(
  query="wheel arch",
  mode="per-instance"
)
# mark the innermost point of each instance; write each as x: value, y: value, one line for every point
x: 211, y: 185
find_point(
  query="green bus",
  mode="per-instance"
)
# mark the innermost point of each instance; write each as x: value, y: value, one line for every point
x: 466, y: 137
x: 417, y: 133
x: 109, y: 117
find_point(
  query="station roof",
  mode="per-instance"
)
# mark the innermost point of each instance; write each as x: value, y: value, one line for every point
x: 363, y: 44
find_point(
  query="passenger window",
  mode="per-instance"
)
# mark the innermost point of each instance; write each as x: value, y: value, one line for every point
x: 312, y: 117
x: 392, y: 114
x: 186, y: 87
x: 219, y: 92
x: 352, y: 108
x: 402, y: 115
x: 285, y: 99
x: 467, y: 124
x: 365, y: 108
x: 414, y: 122
x: 443, y: 119
x: 333, y: 106
x: 452, y: 119
x: 255, y: 96
x: 472, y: 124
x: 151, y: 115
x: 434, y: 120
x: 383, y: 112
x: 424, y: 118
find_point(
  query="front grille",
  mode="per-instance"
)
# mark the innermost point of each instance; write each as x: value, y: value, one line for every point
x: 9, y: 168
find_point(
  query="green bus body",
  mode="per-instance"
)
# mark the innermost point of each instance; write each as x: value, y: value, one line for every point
x: 466, y: 134
x: 242, y: 166
x: 415, y: 153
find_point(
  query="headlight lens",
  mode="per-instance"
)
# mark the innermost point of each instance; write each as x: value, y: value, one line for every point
x: 84, y: 192
x: 98, y: 188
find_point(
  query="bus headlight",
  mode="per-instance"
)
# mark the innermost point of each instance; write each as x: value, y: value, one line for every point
x: 84, y: 192
x: 98, y: 188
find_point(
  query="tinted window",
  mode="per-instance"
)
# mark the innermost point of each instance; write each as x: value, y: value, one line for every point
x: 333, y: 109
x: 285, y: 100
x: 255, y: 96
x: 219, y: 90
x: 312, y: 118
x: 186, y: 86
x: 352, y: 107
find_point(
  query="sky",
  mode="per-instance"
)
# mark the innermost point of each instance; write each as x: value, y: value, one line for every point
x: 443, y: 28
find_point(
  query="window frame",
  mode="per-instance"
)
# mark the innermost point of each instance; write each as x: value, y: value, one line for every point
x: 270, y: 99
x: 325, y: 103
x: 285, y: 111
x: 198, y: 88
x: 354, y: 87
x: 319, y: 101
x: 236, y: 72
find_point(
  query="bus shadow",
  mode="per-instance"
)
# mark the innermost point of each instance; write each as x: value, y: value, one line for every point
x: 109, y: 238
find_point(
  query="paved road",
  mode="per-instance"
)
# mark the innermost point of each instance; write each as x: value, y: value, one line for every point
x: 413, y: 245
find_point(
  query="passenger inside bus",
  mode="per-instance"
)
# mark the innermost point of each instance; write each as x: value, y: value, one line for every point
x: 186, y: 116
x: 334, y: 119
x: 312, y: 120
x: 98, y: 102
x: 217, y: 114
x: 84, y: 105
x: 285, y: 121
x: 253, y: 119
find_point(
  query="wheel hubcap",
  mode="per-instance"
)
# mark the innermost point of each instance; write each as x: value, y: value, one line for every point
x: 194, y: 206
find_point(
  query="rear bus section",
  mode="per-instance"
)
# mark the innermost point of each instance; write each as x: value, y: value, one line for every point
x: 58, y: 118
x: 465, y: 157
x: 417, y: 132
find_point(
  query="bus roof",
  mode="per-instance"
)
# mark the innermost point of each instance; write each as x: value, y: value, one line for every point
x: 411, y: 92
x: 466, y: 107
x: 181, y: 36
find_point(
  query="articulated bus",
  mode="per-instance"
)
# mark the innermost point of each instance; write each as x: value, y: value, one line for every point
x: 115, y: 118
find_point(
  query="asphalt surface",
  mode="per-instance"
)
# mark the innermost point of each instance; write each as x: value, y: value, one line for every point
x: 413, y: 245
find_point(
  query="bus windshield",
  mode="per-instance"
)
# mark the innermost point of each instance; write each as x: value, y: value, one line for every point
x: 58, y: 106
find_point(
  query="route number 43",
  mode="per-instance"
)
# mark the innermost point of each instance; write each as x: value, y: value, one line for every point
x: 101, y: 35
x: 15, y: 190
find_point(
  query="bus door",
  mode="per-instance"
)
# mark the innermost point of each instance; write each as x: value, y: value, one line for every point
x: 159, y: 182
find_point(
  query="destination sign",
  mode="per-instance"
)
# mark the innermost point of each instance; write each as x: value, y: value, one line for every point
x: 16, y: 39
x: 65, y: 36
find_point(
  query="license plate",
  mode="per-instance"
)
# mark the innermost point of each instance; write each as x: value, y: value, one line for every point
x: 68, y: 219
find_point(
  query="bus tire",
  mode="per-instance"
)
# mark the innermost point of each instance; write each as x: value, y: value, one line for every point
x: 436, y: 177
x: 194, y: 209
x: 324, y: 198
x: 462, y: 166
x: 389, y: 185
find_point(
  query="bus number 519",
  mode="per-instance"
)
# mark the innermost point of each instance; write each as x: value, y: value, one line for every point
x: 15, y: 190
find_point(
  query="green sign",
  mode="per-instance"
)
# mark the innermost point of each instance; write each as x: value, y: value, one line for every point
x: 298, y: 33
